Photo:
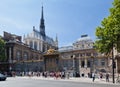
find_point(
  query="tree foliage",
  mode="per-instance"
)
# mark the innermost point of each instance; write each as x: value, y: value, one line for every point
x: 108, y: 33
x: 2, y: 50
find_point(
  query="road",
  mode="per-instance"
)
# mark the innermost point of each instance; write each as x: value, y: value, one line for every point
x: 30, y: 82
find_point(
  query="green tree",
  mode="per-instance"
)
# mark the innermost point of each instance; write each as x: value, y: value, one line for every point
x: 2, y: 50
x: 108, y: 33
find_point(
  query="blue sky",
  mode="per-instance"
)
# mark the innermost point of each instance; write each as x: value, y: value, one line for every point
x: 69, y: 19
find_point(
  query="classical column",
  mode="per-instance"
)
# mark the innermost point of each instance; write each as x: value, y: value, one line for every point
x: 10, y: 51
x: 85, y: 62
x: 10, y: 58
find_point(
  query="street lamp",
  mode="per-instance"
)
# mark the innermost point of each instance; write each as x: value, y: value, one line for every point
x: 113, y: 65
x: 79, y: 64
x: 113, y: 61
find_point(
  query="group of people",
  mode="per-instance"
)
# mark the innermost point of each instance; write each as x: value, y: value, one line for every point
x: 45, y: 74
x: 61, y: 75
x: 100, y: 76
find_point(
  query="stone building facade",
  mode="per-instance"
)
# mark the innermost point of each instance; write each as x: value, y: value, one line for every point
x: 83, y: 58
x: 23, y: 58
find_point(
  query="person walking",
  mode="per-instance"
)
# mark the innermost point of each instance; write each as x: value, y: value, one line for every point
x: 107, y: 77
x: 93, y: 76
x: 101, y: 76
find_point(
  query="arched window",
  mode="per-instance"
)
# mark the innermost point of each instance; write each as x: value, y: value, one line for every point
x: 31, y: 44
x: 18, y: 55
x: 25, y: 56
x: 82, y: 63
x: 102, y: 62
x: 35, y: 45
x: 88, y: 63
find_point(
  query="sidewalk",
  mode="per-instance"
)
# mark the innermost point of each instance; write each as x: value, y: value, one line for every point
x: 89, y: 80
x: 81, y: 79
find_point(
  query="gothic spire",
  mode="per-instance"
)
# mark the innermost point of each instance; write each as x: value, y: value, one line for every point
x: 56, y: 42
x: 42, y: 16
x: 42, y: 26
x: 56, y: 38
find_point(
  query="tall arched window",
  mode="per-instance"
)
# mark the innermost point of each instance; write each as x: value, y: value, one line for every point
x: 25, y: 56
x: 35, y: 45
x: 18, y: 55
x: 31, y: 44
x: 82, y: 63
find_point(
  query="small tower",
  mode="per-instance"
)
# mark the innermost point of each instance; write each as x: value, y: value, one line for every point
x: 42, y: 26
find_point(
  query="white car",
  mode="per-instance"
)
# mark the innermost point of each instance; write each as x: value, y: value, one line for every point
x: 2, y: 77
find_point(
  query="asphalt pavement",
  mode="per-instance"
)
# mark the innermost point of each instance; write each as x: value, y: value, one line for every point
x: 52, y: 82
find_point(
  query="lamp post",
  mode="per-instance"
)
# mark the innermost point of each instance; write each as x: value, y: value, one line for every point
x: 113, y: 61
x: 113, y: 65
x: 79, y: 64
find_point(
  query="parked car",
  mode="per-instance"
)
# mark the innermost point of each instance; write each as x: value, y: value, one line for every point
x: 2, y: 77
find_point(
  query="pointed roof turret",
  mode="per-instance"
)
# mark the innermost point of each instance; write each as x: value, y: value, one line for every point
x: 42, y: 26
x: 56, y: 38
x: 42, y: 16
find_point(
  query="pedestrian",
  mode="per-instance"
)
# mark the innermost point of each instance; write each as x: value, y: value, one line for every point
x: 107, y: 77
x: 93, y: 76
x: 63, y: 75
x: 67, y: 75
x: 101, y: 76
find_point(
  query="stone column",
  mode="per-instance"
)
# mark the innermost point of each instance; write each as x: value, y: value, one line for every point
x: 79, y: 64
x: 85, y: 62
x: 10, y: 51
x: 10, y: 58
